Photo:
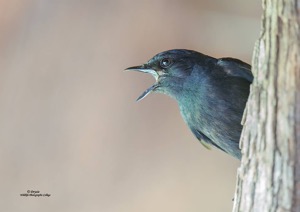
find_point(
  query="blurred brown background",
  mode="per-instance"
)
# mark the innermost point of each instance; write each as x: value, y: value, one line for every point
x: 69, y: 123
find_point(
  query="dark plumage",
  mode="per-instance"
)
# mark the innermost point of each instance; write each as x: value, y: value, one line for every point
x: 211, y: 93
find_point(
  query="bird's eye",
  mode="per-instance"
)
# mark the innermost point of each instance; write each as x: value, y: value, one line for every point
x: 165, y: 63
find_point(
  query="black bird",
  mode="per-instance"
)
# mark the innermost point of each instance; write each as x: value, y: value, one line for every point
x: 211, y: 93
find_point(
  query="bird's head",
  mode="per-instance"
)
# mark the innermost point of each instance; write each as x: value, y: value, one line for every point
x: 170, y: 70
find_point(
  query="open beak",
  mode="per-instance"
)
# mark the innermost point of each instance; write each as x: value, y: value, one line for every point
x: 145, y: 69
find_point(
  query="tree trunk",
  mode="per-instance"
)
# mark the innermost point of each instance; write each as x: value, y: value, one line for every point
x: 269, y: 176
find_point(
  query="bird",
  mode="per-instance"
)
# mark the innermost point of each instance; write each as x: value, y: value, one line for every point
x: 211, y: 93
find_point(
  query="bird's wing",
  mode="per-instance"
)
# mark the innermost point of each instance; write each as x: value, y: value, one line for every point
x: 236, y: 68
x: 204, y: 140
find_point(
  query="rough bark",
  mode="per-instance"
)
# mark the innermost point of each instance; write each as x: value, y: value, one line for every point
x: 269, y: 176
